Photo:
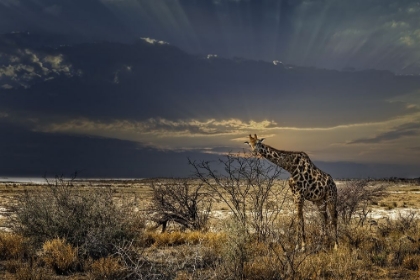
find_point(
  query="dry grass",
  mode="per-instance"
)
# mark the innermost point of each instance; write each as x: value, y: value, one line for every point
x: 59, y: 255
x: 389, y: 249
x: 106, y: 268
x: 25, y: 271
x: 12, y: 246
x: 212, y: 239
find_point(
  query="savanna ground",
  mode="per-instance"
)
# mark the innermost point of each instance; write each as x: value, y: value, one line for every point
x: 233, y: 226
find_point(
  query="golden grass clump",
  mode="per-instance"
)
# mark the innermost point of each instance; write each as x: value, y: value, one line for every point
x: 265, y: 267
x: 194, y: 237
x: 12, y: 246
x: 340, y: 264
x: 25, y: 271
x: 59, y: 255
x: 106, y: 268
x: 411, y: 262
x: 167, y: 238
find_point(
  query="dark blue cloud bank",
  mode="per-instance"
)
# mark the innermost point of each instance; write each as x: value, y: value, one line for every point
x: 44, y: 83
x: 83, y: 86
x: 35, y: 154
x: 142, y: 80
x: 358, y: 34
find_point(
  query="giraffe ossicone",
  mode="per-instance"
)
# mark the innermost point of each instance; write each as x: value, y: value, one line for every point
x: 307, y: 182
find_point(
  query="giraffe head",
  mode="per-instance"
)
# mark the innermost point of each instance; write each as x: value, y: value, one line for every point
x: 254, y: 143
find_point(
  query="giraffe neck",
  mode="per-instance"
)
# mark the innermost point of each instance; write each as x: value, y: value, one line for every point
x: 287, y: 160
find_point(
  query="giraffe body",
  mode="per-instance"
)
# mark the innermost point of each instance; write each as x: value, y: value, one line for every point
x: 307, y: 182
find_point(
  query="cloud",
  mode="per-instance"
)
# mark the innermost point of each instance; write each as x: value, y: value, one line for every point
x: 326, y: 143
x: 160, y: 97
x: 58, y: 153
x: 159, y: 127
x: 6, y: 86
x: 25, y: 67
x: 398, y: 24
x: 405, y: 130
x: 162, y: 127
x: 407, y: 40
x: 9, y: 3
x: 154, y: 41
x: 35, y: 153
x: 366, y: 34
x: 106, y: 81
x: 54, y: 10
x: 415, y: 148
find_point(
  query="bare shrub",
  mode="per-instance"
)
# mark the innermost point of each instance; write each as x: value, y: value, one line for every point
x: 355, y: 198
x: 284, y: 248
x: 187, y: 255
x: 236, y: 252
x: 407, y: 223
x: 179, y: 201
x: 400, y: 251
x: 59, y: 255
x: 138, y: 267
x: 404, y: 224
x: 252, y: 190
x: 249, y: 187
x: 356, y: 236
x: 243, y: 256
x: 88, y: 219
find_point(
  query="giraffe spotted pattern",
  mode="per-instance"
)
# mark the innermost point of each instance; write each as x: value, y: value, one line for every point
x: 307, y: 182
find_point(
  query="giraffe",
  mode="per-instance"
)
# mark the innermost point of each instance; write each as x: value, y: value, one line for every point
x: 307, y: 182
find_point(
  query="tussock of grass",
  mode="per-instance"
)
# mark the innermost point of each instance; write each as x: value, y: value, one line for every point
x: 12, y: 246
x: 26, y: 271
x: 117, y: 245
x: 411, y: 262
x: 59, y: 255
x: 178, y: 238
x: 106, y: 268
x: 265, y: 267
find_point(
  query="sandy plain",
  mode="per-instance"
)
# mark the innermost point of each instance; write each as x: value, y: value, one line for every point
x: 402, y: 196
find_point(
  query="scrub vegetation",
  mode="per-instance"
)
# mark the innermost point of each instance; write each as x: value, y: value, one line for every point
x: 233, y: 220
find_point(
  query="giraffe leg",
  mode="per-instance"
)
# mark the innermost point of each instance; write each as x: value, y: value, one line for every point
x: 164, y: 224
x: 332, y: 211
x: 301, y: 224
x: 322, y: 207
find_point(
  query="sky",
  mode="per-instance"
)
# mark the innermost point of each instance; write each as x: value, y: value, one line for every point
x: 133, y: 88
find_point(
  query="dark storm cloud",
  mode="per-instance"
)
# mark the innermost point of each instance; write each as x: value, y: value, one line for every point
x: 149, y: 90
x: 26, y: 153
x: 408, y: 129
x: 108, y: 81
x: 323, y: 33
x: 35, y: 154
x: 86, y: 20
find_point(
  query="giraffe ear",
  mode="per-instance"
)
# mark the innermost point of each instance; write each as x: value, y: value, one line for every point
x: 246, y: 142
x: 261, y: 140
